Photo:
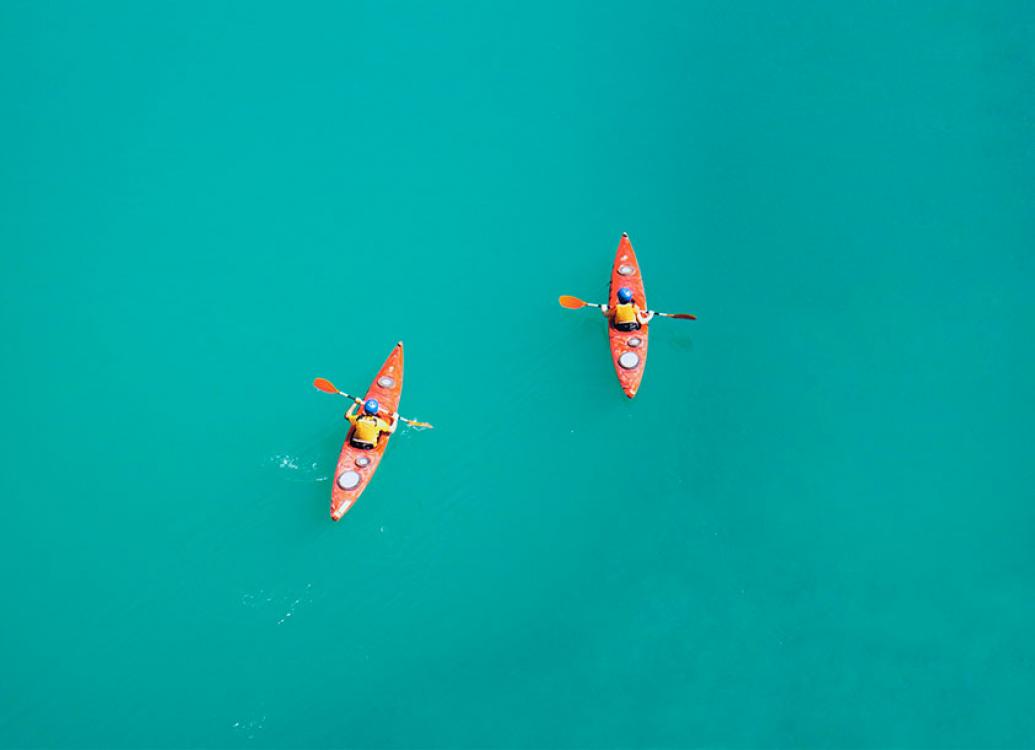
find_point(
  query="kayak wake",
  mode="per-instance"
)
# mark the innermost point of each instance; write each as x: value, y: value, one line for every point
x: 295, y: 469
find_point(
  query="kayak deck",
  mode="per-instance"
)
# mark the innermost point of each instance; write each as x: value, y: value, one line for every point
x: 628, y: 348
x: 356, y: 466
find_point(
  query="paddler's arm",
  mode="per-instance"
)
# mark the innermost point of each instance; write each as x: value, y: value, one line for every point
x: 351, y: 413
x: 644, y: 317
x: 395, y: 423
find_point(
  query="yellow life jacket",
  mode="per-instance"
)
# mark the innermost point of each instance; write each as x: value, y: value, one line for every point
x: 368, y: 428
x: 626, y: 313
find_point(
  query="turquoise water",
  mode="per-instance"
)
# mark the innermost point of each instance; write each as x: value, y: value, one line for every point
x: 813, y: 526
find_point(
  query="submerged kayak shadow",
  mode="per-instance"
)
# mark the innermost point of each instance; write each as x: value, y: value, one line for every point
x: 682, y: 342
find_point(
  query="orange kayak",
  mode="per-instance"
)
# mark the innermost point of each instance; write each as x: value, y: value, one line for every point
x: 356, y: 466
x: 628, y: 348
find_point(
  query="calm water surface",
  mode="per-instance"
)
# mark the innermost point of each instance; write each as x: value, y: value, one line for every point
x: 812, y: 528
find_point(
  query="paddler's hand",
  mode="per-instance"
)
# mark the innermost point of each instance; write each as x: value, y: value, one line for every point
x: 603, y: 310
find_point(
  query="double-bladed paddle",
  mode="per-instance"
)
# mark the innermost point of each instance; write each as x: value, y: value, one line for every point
x: 323, y: 384
x: 574, y: 303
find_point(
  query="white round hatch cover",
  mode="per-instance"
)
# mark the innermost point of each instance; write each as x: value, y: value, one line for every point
x: 362, y: 461
x: 629, y: 360
x: 626, y: 270
x: 634, y: 341
x: 386, y: 381
x: 348, y: 480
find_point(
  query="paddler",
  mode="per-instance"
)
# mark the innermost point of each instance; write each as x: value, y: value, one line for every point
x: 368, y: 426
x: 627, y: 315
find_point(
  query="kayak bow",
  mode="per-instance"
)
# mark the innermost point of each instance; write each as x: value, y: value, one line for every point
x: 356, y: 466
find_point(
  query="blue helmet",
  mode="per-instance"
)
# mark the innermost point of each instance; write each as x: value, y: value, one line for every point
x: 625, y: 295
x: 370, y: 406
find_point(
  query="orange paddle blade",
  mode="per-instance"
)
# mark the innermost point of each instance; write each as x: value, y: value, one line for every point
x: 324, y: 385
x: 683, y: 316
x: 572, y: 303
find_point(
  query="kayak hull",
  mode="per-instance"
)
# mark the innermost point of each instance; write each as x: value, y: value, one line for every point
x: 628, y: 348
x: 356, y: 466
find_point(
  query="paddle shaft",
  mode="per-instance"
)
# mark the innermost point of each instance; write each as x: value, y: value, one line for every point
x: 397, y: 414
x: 651, y: 312
x: 682, y: 316
x: 574, y: 303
